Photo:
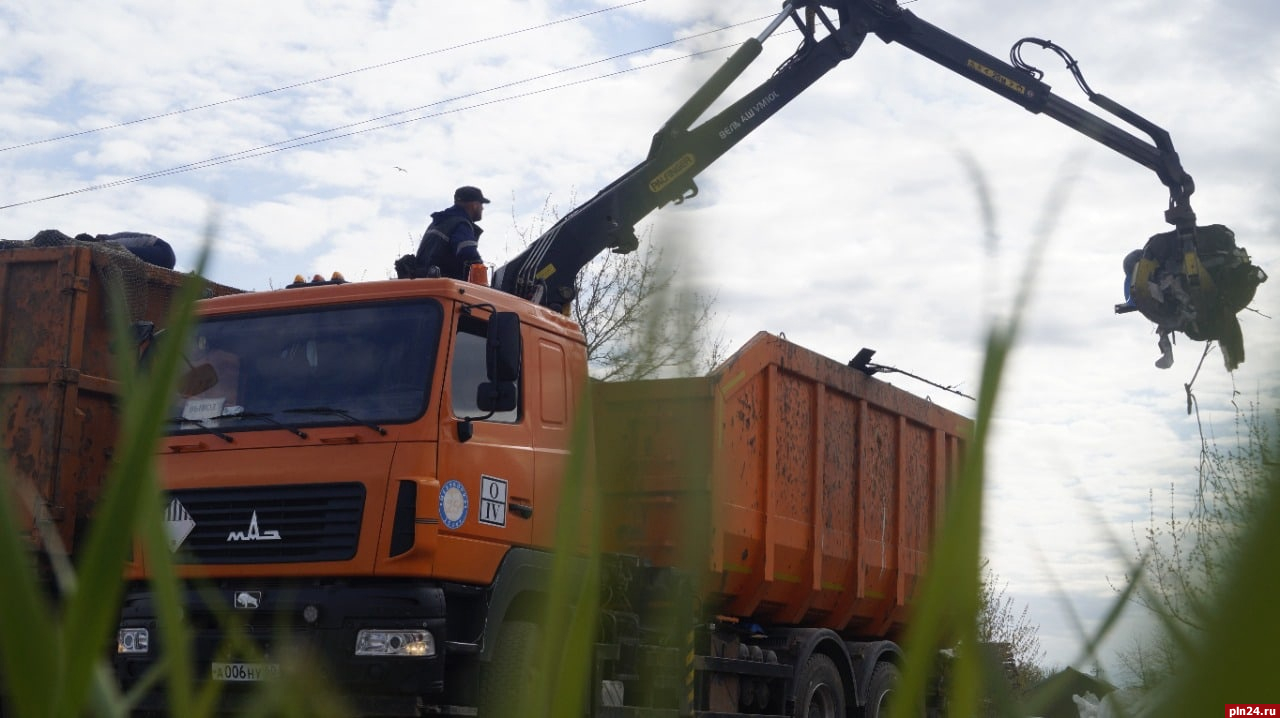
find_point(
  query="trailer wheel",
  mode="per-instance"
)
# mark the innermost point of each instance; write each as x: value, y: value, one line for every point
x: 884, y: 680
x: 508, y: 683
x: 821, y: 692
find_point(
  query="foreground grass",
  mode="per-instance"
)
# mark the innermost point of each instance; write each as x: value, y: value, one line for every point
x: 55, y: 658
x: 55, y: 653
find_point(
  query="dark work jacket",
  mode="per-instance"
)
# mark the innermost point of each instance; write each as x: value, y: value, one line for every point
x: 451, y: 242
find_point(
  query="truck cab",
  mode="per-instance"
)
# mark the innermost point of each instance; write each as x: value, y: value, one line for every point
x: 341, y: 462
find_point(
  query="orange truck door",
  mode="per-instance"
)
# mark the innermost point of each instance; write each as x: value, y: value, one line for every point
x: 481, y: 477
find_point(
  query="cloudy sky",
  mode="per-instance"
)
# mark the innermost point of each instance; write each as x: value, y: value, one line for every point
x: 321, y: 133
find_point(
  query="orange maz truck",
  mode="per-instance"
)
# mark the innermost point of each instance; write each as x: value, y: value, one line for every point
x: 381, y: 470
x: 378, y: 474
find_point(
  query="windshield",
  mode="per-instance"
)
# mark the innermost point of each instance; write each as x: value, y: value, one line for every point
x: 361, y: 364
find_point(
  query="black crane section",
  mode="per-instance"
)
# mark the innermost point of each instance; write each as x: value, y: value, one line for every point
x: 833, y: 30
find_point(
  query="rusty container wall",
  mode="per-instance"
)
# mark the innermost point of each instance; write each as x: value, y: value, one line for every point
x: 57, y: 386
x: 804, y: 492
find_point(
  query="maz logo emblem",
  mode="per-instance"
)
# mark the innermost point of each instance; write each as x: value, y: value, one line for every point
x: 248, y: 599
x: 253, y: 534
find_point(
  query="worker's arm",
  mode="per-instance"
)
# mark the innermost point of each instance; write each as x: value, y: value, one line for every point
x: 465, y: 243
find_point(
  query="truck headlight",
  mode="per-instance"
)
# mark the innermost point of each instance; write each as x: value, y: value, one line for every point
x: 409, y: 642
x: 133, y: 640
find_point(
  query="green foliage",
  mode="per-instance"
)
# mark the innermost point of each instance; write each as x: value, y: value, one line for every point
x: 574, y: 599
x: 1234, y: 660
x: 1014, y: 638
x: 639, y: 322
x: 946, y: 613
x: 1191, y: 557
x: 1187, y: 558
x: 948, y: 609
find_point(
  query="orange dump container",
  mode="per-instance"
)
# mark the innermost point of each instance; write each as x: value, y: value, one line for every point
x: 802, y: 491
x: 58, y: 412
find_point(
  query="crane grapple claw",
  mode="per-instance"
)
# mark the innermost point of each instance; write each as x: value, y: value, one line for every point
x: 1197, y: 287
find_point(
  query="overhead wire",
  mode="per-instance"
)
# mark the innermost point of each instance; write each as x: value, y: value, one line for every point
x: 327, y: 135
x: 326, y: 78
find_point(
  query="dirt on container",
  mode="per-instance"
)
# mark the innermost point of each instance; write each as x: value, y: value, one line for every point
x: 59, y: 394
x: 802, y: 491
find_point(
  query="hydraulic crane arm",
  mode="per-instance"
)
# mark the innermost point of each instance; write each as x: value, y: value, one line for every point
x: 546, y: 271
x: 1021, y: 83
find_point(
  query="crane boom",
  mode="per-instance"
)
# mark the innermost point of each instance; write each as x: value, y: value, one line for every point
x: 546, y: 271
x: 833, y: 30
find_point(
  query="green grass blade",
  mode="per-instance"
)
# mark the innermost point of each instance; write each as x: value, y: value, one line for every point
x: 175, y: 640
x: 946, y: 612
x: 1236, y: 660
x: 27, y: 647
x: 148, y: 682
x: 573, y: 602
x: 92, y: 611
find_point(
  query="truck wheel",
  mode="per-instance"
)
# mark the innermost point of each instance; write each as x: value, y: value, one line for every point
x: 821, y: 692
x: 884, y: 679
x: 508, y: 682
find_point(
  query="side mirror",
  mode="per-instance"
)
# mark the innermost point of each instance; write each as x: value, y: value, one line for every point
x: 502, y: 348
x: 502, y: 369
x: 494, y: 397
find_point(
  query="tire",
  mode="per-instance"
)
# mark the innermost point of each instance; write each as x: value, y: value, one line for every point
x: 510, y: 680
x: 821, y: 692
x: 884, y: 680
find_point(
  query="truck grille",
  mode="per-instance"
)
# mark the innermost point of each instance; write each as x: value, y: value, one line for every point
x: 272, y: 524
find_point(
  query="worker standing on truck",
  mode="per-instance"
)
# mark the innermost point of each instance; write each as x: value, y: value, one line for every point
x: 451, y: 243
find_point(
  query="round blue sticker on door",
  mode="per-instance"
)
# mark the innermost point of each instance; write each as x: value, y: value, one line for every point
x: 453, y: 504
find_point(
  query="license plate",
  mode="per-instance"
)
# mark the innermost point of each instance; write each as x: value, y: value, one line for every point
x: 245, y: 671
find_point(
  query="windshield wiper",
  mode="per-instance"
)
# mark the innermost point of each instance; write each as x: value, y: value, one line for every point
x: 266, y: 416
x: 200, y: 423
x: 337, y: 412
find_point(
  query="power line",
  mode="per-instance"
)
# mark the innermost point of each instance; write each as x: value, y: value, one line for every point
x: 320, y: 79
x: 327, y: 135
